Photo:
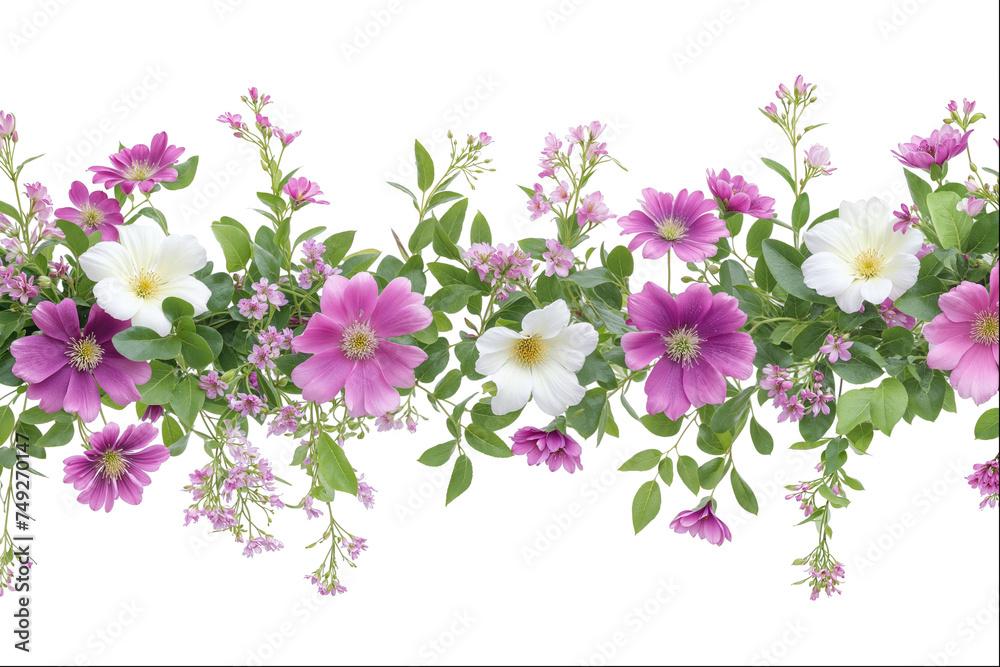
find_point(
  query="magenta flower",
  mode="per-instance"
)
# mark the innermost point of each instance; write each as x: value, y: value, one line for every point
x: 964, y: 338
x: 818, y: 158
x: 64, y: 367
x: 905, y: 217
x: 558, y: 258
x: 893, y: 317
x: 93, y: 212
x: 702, y: 522
x: 972, y: 206
x: 348, y: 341
x: 286, y: 138
x: 8, y: 126
x: 684, y: 224
x: 303, y: 191
x: 836, y: 348
x: 115, y: 467
x: 235, y: 122
x: 141, y: 165
x: 538, y: 206
x: 735, y: 195
x: 695, y: 343
x: 553, y: 447
x: 938, y: 148
x: 986, y: 478
x: 593, y: 210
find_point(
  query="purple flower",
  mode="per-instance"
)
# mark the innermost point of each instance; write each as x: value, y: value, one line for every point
x: 141, y: 165
x: 235, y: 122
x: 818, y: 158
x: 941, y: 146
x: 303, y: 191
x: 64, y: 367
x: 702, y: 522
x: 254, y: 307
x: 973, y: 206
x: 93, y: 212
x: 836, y: 348
x: 554, y: 447
x: 311, y: 512
x: 152, y: 413
x: 735, y: 195
x: 792, y: 410
x: 685, y: 224
x: 115, y: 466
x: 269, y: 293
x: 558, y: 259
x: 286, y: 137
x: 538, y: 206
x: 985, y: 478
x: 212, y: 384
x: 366, y: 493
x: 354, y: 547
x: 893, y: 317
x: 8, y: 126
x: 906, y: 217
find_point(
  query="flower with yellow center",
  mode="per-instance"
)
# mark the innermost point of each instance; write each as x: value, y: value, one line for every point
x: 85, y: 353
x: 540, y: 361
x: 142, y: 269
x: 91, y: 216
x: 857, y: 256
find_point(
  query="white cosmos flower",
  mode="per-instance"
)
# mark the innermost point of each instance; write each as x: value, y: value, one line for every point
x: 857, y: 257
x: 541, y: 361
x: 145, y: 267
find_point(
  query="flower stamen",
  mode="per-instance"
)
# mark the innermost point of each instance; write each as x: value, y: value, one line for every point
x: 868, y: 263
x: 85, y: 353
x: 359, y: 342
x: 91, y: 216
x: 986, y: 328
x: 672, y: 229
x: 113, y: 465
x: 683, y: 345
x: 145, y: 284
x: 529, y: 351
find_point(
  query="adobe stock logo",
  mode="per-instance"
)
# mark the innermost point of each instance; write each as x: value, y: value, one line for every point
x: 32, y: 24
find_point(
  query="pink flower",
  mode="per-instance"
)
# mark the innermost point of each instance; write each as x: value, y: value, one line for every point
x: 893, y: 317
x: 986, y: 478
x: 938, y: 148
x: 286, y: 138
x: 906, y: 217
x: 818, y: 157
x: 555, y: 448
x: 141, y: 165
x: 552, y: 146
x: 212, y: 384
x: 20, y: 288
x: 93, y: 212
x: 695, y: 342
x: 366, y: 493
x: 302, y: 191
x: 8, y: 126
x: 964, y: 337
x: 702, y: 522
x: 270, y: 293
x: 684, y: 223
x: 925, y: 249
x: 735, y: 195
x: 64, y: 367
x: 538, y: 206
x: 972, y: 206
x: 115, y: 466
x: 561, y: 193
x: 307, y: 505
x: 593, y: 209
x: 262, y: 121
x: 836, y: 348
x: 254, y: 307
x: 235, y: 122
x: 558, y: 259
x: 348, y: 341
x: 479, y: 254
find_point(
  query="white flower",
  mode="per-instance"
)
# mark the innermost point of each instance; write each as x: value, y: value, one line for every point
x: 857, y: 257
x: 145, y: 267
x: 541, y: 361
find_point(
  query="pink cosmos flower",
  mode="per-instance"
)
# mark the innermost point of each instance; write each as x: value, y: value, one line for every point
x: 836, y: 348
x: 906, y: 216
x: 554, y: 448
x: 684, y: 223
x: 558, y: 259
x: 893, y: 317
x: 964, y: 338
x: 735, y: 195
x: 303, y: 191
x: 593, y: 209
x: 93, y: 212
x: 702, y: 522
x: 941, y: 146
x: 695, y: 342
x: 64, y: 367
x: 348, y: 341
x: 115, y: 466
x: 141, y: 165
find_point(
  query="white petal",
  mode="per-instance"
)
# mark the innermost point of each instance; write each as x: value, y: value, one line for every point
x: 547, y: 322
x: 902, y: 270
x: 116, y: 298
x: 851, y: 300
x: 908, y: 243
x: 498, y: 339
x: 189, y: 289
x: 513, y: 389
x: 151, y: 315
x: 852, y: 212
x: 142, y: 242
x: 876, y: 290
x: 827, y: 273
x: 554, y: 388
x: 179, y: 255
x: 107, y: 260
x: 834, y: 236
x: 877, y: 211
x: 572, y: 345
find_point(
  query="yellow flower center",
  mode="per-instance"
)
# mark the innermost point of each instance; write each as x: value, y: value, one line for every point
x: 359, y: 342
x: 683, y: 345
x: 145, y: 284
x: 139, y: 171
x: 529, y: 351
x: 113, y: 464
x: 986, y: 329
x: 91, y: 216
x: 85, y: 354
x: 868, y: 263
x: 672, y: 230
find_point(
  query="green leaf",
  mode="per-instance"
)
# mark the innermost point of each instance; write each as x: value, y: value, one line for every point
x: 620, y: 262
x: 687, y: 468
x: 480, y: 232
x: 425, y: 179
x: 897, y: 341
x: 358, y: 262
x: 645, y: 505
x: 781, y: 171
x: 452, y: 220
x: 212, y: 337
x: 185, y: 174
x: 921, y: 300
x: 762, y: 440
x: 985, y: 234
x: 800, y: 211
x: 482, y: 415
x: 808, y: 341
x: 142, y: 344
x: 853, y: 408
x: 487, y: 442
x: 221, y: 285
x: 195, y: 349
x: 422, y: 235
x: 451, y: 298
x: 438, y: 455
x: 759, y: 232
x: 337, y: 247
x: 266, y: 263
x: 919, y: 189
x: 708, y: 441
x: 659, y: 424
x: 951, y: 225
x: 187, y: 401
x: 449, y: 384
x: 334, y: 468
x: 76, y: 238
x: 647, y: 459
x: 6, y: 423
x: 57, y: 436
x: 235, y: 245
x: 160, y: 388
x: 987, y: 428
x: 461, y: 478
x: 711, y: 472
x: 744, y: 494
x: 666, y: 470
x: 586, y: 415
x: 888, y: 404
x: 437, y: 360
x: 175, y: 308
x: 784, y: 262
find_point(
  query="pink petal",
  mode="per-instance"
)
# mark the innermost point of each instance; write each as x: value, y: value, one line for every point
x: 348, y: 301
x: 368, y: 393
x: 641, y: 348
x: 976, y: 375
x: 664, y: 391
x: 399, y: 310
x: 398, y: 361
x: 38, y: 357
x: 703, y: 385
x: 58, y: 320
x: 323, y: 376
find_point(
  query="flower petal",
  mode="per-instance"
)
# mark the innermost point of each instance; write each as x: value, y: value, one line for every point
x: 554, y: 388
x: 179, y: 255
x: 399, y: 310
x: 546, y: 322
x: 107, y: 260
x: 513, y: 388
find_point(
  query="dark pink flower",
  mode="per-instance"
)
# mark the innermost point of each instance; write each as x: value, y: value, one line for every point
x: 64, y: 367
x: 303, y: 191
x: 93, y: 212
x: 554, y: 448
x: 695, y: 342
x: 893, y: 317
x: 348, y: 341
x: 735, y: 195
x: 905, y: 216
x: 115, y: 466
x: 702, y: 522
x: 986, y: 478
x: 286, y: 137
x: 141, y: 165
x: 941, y: 146
x: 684, y: 224
x: 964, y: 338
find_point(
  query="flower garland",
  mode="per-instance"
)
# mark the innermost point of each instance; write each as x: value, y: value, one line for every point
x: 102, y: 308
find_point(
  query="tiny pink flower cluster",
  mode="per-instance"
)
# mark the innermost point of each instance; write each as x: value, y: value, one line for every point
x: 811, y: 399
x: 501, y: 266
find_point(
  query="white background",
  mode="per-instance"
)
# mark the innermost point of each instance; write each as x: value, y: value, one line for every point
x: 479, y: 582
